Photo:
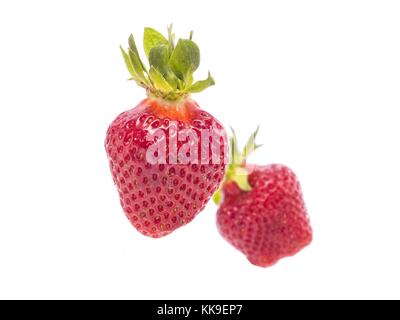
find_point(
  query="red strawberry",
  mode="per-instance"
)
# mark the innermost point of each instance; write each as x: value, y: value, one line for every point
x: 262, y: 213
x: 155, y: 150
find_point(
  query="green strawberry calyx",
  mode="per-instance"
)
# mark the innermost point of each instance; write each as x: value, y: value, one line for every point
x: 237, y: 171
x: 171, y: 66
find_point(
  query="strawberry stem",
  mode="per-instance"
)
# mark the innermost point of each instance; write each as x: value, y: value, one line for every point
x: 171, y: 67
x: 237, y: 171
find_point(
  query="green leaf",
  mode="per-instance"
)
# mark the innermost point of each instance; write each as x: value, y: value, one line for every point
x: 217, y: 197
x: 132, y: 46
x: 130, y: 67
x: 159, y: 81
x: 171, y: 39
x: 188, y: 81
x: 241, y: 177
x: 172, y: 80
x: 202, y: 85
x: 159, y: 58
x: 152, y: 38
x: 137, y: 67
x: 236, y: 155
x: 251, y: 145
x: 128, y: 62
x: 185, y: 58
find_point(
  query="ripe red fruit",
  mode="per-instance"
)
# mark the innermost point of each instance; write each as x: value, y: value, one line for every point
x: 161, y: 175
x: 265, y: 217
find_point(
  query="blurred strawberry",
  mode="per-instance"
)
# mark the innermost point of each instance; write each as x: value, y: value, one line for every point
x: 262, y: 212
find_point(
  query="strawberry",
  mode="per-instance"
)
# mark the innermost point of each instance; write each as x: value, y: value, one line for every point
x: 164, y: 166
x: 262, y: 212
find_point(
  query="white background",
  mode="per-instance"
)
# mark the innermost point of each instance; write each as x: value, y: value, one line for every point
x: 321, y: 77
